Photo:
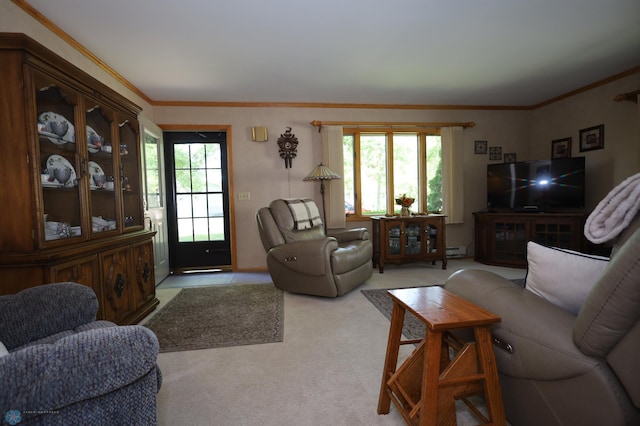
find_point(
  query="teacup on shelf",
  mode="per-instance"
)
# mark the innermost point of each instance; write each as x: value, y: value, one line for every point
x: 60, y: 128
x: 96, y: 139
x: 62, y: 175
x: 99, y: 180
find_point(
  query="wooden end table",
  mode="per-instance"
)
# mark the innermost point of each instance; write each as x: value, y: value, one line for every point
x: 442, y: 369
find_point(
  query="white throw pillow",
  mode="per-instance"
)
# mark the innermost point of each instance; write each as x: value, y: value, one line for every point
x: 3, y: 350
x: 563, y: 277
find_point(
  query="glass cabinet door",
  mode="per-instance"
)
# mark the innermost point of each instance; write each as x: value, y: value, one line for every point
x: 130, y: 174
x: 60, y: 178
x: 394, y: 238
x: 101, y: 168
x: 414, y: 238
x: 431, y: 233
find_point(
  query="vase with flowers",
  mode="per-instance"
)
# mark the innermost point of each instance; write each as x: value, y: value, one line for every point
x: 404, y: 202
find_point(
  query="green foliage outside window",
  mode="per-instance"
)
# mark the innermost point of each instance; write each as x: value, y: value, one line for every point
x: 374, y: 171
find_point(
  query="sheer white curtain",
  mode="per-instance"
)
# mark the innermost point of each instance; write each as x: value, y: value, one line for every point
x: 452, y: 174
x: 333, y: 157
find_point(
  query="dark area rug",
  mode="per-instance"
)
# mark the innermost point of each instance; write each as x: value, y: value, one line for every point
x: 413, y: 328
x: 220, y: 316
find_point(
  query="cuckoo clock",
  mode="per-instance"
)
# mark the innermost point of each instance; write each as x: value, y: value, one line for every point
x: 288, y: 144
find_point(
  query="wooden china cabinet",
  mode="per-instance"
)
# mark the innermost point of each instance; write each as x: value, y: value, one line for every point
x: 401, y: 239
x: 71, y: 183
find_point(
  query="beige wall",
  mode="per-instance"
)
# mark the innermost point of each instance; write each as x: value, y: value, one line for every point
x: 620, y: 157
x: 257, y: 168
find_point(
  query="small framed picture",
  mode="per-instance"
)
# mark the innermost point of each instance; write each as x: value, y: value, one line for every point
x: 480, y: 147
x: 495, y: 153
x: 510, y: 157
x: 592, y: 138
x: 561, y: 148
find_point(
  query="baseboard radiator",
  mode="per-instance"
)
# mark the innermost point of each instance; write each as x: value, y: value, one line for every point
x: 456, y: 252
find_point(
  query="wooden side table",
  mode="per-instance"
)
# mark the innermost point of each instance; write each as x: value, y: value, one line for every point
x: 427, y: 384
x: 402, y: 239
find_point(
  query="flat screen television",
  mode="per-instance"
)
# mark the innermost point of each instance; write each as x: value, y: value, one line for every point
x: 537, y: 185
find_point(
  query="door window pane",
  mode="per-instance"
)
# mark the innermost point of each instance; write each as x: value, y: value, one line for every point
x: 201, y: 229
x: 184, y: 206
x: 213, y: 156
x: 183, y: 181
x: 181, y: 156
x: 216, y: 229
x: 197, y: 155
x: 198, y: 180
x: 185, y: 230
x: 214, y: 180
x: 199, y: 205
x: 215, y: 205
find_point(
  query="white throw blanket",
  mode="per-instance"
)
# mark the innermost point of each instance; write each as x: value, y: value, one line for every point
x: 305, y: 213
x: 614, y: 213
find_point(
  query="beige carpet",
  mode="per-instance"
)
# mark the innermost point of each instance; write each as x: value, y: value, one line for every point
x: 327, y: 370
x: 220, y: 316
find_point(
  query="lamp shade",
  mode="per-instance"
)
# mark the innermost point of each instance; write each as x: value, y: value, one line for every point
x: 322, y: 172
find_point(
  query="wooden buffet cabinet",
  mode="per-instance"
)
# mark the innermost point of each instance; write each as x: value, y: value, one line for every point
x: 401, y: 239
x: 62, y: 131
x: 501, y: 237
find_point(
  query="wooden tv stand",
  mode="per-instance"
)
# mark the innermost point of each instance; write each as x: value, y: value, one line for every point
x: 501, y: 237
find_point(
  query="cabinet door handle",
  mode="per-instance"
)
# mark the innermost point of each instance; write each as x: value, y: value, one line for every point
x: 83, y: 166
x: 146, y: 272
x: 119, y: 285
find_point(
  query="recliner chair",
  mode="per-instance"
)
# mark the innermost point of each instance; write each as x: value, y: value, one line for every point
x: 63, y: 367
x: 559, y: 368
x: 302, y: 259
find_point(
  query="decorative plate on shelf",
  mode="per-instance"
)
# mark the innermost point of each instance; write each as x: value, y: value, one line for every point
x: 95, y: 170
x: 56, y: 128
x: 59, y: 162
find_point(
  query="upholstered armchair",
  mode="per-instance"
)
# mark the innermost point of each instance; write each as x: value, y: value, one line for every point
x: 563, y: 360
x: 302, y: 259
x: 59, y: 366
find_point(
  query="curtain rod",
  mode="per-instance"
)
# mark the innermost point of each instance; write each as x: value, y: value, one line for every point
x: 319, y: 124
x: 629, y: 96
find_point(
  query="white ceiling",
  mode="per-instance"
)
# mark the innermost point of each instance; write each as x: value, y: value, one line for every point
x: 424, y: 52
